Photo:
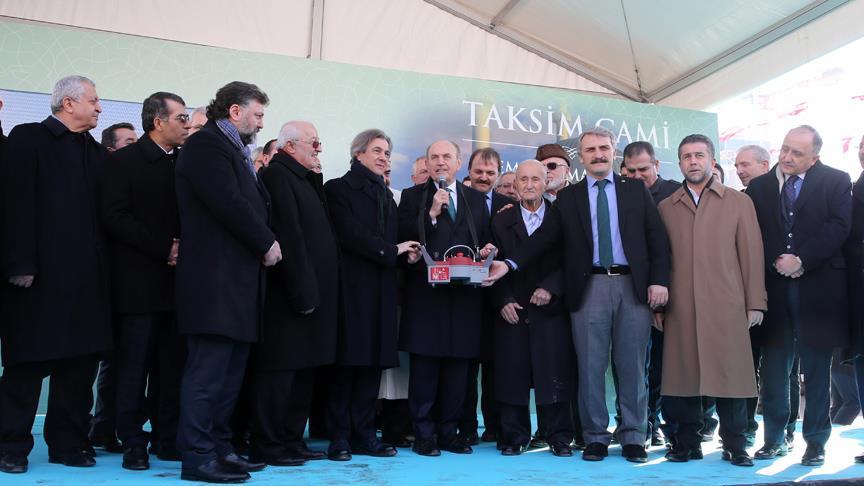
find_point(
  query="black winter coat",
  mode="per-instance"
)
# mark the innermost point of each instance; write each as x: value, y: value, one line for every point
x: 139, y: 212
x: 443, y: 321
x: 538, y: 350
x: 51, y: 229
x: 366, y: 226
x: 306, y: 278
x: 823, y: 217
x: 224, y: 212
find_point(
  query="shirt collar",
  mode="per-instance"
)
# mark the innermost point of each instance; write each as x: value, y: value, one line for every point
x: 541, y: 210
x: 609, y: 177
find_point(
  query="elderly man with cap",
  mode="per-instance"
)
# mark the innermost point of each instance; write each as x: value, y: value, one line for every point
x: 557, y: 162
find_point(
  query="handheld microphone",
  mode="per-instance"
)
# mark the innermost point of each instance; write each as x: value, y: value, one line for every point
x: 442, y: 184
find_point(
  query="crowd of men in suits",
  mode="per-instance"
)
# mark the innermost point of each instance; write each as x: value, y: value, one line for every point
x: 185, y: 250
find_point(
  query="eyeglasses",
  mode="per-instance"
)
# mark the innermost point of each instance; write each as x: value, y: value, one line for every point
x: 182, y: 118
x: 315, y: 143
x: 555, y: 165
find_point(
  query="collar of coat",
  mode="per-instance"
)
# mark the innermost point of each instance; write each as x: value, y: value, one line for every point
x: 291, y: 164
x: 152, y: 151
x: 358, y: 175
x: 683, y: 193
x: 58, y: 129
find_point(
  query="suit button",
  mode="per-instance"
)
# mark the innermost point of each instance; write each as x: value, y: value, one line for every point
x: 527, y: 321
x: 790, y: 235
x: 788, y: 247
x: 381, y: 252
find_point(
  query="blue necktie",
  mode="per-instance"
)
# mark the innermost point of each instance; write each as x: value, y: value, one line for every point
x: 789, y: 196
x: 451, y: 209
x: 604, y: 228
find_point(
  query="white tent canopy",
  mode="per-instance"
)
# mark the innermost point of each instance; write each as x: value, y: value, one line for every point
x: 684, y: 53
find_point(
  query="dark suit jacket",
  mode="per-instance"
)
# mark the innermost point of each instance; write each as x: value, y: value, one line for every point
x: 538, y: 351
x: 51, y: 229
x: 662, y: 188
x: 823, y: 213
x: 643, y: 237
x: 442, y: 321
x: 367, y: 239
x: 306, y: 278
x: 139, y: 212
x: 224, y: 212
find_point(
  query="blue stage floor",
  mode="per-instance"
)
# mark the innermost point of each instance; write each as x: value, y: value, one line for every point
x: 485, y: 466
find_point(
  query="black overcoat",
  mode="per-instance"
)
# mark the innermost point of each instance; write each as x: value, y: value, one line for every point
x: 854, y: 252
x: 538, y: 350
x: 306, y: 278
x: 51, y: 229
x: 568, y: 223
x: 443, y: 321
x: 224, y: 212
x: 139, y: 213
x: 823, y: 217
x: 366, y: 225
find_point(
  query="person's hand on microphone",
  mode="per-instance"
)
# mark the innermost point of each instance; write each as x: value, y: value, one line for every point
x: 273, y: 255
x: 439, y: 200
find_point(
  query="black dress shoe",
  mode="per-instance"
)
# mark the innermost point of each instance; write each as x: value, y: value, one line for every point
x: 72, y: 459
x: 634, y: 453
x: 375, y: 449
x: 307, y: 454
x: 561, y: 450
x: 426, y: 447
x: 509, y: 450
x: 457, y: 446
x: 859, y: 458
x: 13, y: 464
x: 213, y: 472
x: 339, y: 454
x: 770, y: 451
x: 595, y: 452
x: 400, y: 442
x: 489, y: 436
x: 740, y: 458
x: 680, y: 454
x: 469, y: 438
x: 814, y: 455
x: 136, y: 459
x: 107, y: 443
x: 538, y: 443
x: 283, y: 461
x: 235, y: 463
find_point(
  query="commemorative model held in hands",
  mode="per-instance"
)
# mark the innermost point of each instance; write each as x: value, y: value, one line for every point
x: 461, y: 266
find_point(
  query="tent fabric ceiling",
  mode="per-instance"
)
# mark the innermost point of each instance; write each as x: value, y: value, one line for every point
x: 672, y: 52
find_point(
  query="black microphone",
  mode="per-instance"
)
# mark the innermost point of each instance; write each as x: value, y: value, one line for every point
x: 442, y: 184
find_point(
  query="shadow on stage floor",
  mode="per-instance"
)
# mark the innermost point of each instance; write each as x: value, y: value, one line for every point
x: 485, y: 466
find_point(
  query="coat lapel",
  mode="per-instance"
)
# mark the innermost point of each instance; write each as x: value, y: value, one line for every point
x: 517, y: 225
x: 808, y: 185
x: 583, y: 210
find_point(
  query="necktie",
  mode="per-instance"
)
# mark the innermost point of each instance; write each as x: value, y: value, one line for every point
x: 604, y: 229
x: 789, y: 196
x: 451, y: 209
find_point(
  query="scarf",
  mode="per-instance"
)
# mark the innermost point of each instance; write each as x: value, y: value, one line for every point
x: 230, y: 131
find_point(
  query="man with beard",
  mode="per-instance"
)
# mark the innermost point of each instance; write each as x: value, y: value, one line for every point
x: 224, y: 212
x: 717, y: 293
x: 139, y: 211
x: 56, y: 303
x: 557, y: 163
x: 299, y: 335
x: 616, y: 269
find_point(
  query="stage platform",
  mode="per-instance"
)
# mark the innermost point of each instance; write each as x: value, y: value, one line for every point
x: 485, y: 466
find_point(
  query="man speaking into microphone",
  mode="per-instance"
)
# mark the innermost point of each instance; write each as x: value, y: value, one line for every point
x: 440, y: 326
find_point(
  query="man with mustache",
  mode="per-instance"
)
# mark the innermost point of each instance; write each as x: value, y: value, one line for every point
x: 612, y: 281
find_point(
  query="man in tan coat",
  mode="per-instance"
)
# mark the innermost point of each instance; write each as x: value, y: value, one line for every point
x: 716, y: 294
